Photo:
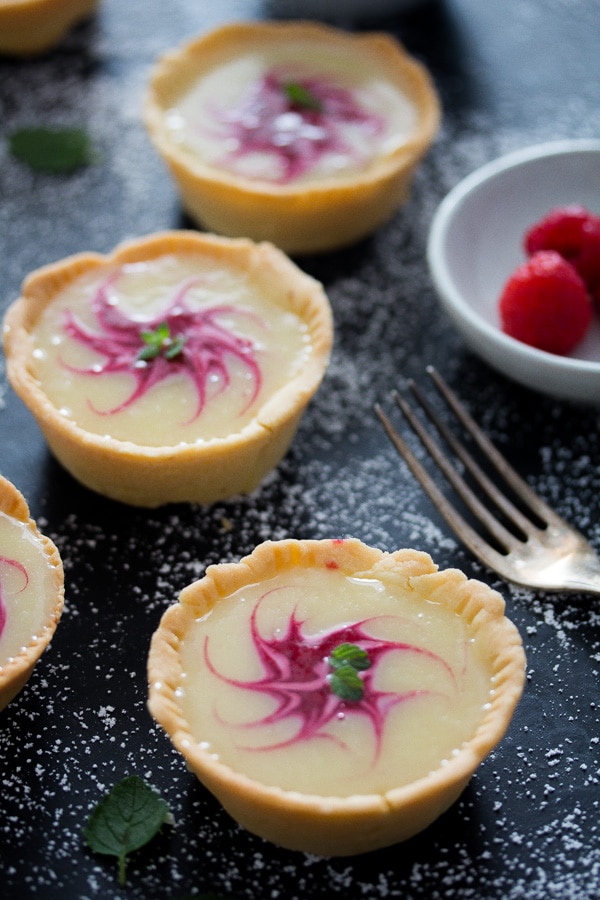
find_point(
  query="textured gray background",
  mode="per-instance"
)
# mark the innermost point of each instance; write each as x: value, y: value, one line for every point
x: 510, y: 74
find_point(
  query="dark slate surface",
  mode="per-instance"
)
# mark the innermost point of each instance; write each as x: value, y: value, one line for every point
x: 510, y: 74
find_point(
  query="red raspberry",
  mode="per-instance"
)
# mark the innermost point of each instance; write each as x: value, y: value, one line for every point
x: 545, y: 304
x: 588, y: 261
x: 574, y: 232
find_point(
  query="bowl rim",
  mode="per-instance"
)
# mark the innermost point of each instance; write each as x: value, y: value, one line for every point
x: 438, y: 264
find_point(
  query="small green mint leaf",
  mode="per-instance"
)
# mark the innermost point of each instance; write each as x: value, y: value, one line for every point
x: 347, y: 684
x: 126, y: 818
x: 175, y: 348
x: 159, y: 342
x: 150, y: 351
x: 350, y: 655
x: 301, y: 96
x: 55, y: 150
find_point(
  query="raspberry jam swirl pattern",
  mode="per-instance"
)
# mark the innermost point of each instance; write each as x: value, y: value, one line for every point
x: 179, y: 340
x: 297, y: 122
x: 298, y: 674
x: 10, y: 568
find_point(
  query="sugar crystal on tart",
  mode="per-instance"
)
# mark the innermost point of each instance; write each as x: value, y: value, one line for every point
x: 175, y: 369
x: 31, y: 27
x: 31, y: 592
x: 335, y: 698
x: 297, y: 133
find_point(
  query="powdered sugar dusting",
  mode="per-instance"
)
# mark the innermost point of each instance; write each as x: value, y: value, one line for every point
x: 527, y: 824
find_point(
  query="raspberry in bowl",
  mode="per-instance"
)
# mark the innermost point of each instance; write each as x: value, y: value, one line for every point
x: 496, y: 221
x: 545, y: 303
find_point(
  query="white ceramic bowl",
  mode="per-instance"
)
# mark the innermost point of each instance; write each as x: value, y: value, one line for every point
x: 475, y: 243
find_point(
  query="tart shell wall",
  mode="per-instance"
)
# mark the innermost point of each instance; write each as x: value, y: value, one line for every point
x: 31, y: 27
x: 15, y: 674
x: 316, y: 217
x: 153, y: 476
x: 335, y: 826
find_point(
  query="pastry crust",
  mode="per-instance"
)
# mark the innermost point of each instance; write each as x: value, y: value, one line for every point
x: 195, y: 472
x: 309, y: 217
x: 31, y: 27
x: 17, y: 671
x: 332, y: 826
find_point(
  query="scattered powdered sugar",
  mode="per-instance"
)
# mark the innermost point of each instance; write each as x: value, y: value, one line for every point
x: 527, y: 826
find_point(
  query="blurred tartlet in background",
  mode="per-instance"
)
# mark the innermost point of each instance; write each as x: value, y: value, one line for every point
x: 297, y: 133
x: 31, y: 27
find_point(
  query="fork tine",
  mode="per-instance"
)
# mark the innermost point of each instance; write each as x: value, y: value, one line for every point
x: 465, y: 532
x: 523, y: 524
x: 501, y: 535
x: 504, y: 538
x: 521, y: 489
x: 552, y: 557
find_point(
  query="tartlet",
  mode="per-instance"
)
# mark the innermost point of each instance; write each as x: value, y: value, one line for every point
x: 175, y: 369
x: 293, y: 132
x: 31, y: 592
x: 246, y: 676
x: 31, y: 27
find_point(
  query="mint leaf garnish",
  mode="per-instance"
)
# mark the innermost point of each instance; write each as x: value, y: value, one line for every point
x: 159, y: 342
x: 52, y: 149
x: 347, y: 684
x: 346, y: 661
x: 350, y: 655
x: 301, y: 96
x: 174, y: 348
x: 126, y: 818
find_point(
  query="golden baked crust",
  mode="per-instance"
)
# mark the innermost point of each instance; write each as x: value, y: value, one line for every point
x: 336, y: 825
x: 16, y: 672
x: 31, y: 27
x: 306, y: 218
x: 203, y: 473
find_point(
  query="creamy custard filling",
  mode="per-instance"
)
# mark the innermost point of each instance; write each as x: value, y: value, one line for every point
x: 291, y: 119
x: 27, y: 587
x: 328, y: 684
x: 174, y: 350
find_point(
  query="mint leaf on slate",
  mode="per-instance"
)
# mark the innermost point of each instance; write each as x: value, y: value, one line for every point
x: 126, y: 818
x: 52, y: 149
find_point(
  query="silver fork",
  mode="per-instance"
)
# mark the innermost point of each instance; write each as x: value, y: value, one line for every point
x: 533, y: 547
